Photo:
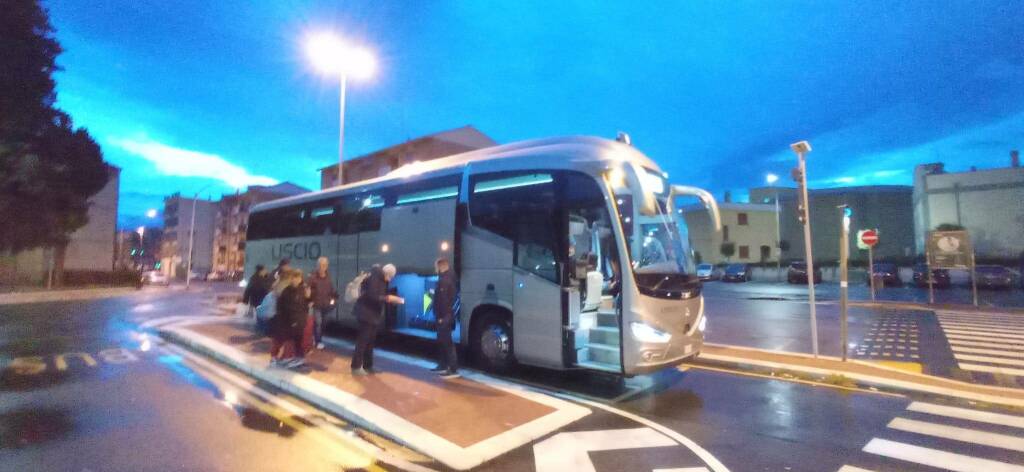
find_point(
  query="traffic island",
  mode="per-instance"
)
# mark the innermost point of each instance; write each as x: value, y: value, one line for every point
x: 853, y: 373
x: 461, y: 422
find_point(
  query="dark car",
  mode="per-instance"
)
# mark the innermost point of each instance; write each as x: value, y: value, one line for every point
x: 940, y: 277
x: 737, y: 273
x: 887, y: 275
x: 993, y: 277
x: 797, y: 273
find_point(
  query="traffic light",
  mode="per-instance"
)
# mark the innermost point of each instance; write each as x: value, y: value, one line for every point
x: 801, y: 214
x: 798, y: 176
x: 133, y: 252
x: 156, y: 266
x: 848, y: 212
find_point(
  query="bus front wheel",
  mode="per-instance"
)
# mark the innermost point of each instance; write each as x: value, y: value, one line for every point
x: 493, y: 340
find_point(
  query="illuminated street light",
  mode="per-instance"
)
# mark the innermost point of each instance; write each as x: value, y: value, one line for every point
x: 330, y: 55
x: 151, y: 213
x: 771, y: 179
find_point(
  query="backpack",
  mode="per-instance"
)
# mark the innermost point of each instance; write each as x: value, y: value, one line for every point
x: 355, y: 288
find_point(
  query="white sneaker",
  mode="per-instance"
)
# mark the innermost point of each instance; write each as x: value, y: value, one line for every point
x: 296, y: 362
x: 320, y: 346
x: 359, y: 372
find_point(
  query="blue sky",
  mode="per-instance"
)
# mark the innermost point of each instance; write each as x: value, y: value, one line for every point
x: 188, y: 94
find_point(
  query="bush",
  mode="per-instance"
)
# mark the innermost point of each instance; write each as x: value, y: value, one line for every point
x: 80, y: 278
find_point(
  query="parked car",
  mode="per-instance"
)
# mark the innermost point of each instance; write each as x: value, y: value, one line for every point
x: 993, y: 277
x: 154, y: 277
x: 797, y: 273
x: 706, y: 272
x: 887, y: 274
x: 737, y: 273
x: 940, y: 277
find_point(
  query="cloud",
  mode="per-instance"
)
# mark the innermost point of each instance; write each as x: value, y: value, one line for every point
x: 171, y: 160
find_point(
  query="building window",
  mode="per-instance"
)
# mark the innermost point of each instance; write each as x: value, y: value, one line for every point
x: 725, y: 232
x: 741, y: 219
x: 744, y: 252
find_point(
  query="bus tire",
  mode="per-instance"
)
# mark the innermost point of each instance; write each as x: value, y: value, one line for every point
x: 492, y: 342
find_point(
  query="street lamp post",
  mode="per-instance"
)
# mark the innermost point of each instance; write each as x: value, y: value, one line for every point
x: 771, y: 179
x: 801, y: 149
x: 331, y: 55
x: 191, y: 238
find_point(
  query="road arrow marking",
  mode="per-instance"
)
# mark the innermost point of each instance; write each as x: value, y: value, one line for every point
x: 567, y: 452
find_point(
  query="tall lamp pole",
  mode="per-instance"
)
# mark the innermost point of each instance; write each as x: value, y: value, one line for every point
x: 771, y: 179
x: 800, y: 175
x: 331, y: 55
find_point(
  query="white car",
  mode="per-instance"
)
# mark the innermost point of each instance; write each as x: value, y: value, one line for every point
x: 154, y: 277
x: 706, y: 272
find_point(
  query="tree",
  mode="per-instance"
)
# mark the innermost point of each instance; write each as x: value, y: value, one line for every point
x: 949, y: 227
x: 728, y: 248
x: 48, y: 169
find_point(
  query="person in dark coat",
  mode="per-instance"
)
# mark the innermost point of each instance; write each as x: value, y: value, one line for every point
x: 369, y: 312
x: 289, y: 321
x: 283, y: 266
x: 444, y: 310
x: 323, y: 295
x: 258, y: 287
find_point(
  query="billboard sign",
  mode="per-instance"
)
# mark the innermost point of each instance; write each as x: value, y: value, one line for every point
x: 949, y: 250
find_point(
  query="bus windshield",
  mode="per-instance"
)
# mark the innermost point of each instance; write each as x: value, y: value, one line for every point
x: 659, y: 247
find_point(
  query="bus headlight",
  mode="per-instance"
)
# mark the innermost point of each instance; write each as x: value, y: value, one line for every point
x: 647, y: 334
x: 703, y: 323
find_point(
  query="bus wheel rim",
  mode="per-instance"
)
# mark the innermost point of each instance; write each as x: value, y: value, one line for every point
x: 494, y: 343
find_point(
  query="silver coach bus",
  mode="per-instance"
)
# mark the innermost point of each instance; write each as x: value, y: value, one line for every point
x: 568, y: 252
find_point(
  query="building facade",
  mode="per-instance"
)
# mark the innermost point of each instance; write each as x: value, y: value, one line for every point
x: 887, y: 208
x: 988, y: 203
x: 232, y: 221
x: 92, y: 246
x: 751, y: 227
x: 177, y: 225
x: 379, y: 163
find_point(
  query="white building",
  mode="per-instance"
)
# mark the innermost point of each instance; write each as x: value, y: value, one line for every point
x: 989, y: 203
x: 175, y: 244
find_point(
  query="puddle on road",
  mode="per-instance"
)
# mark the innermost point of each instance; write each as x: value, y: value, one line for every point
x: 29, y: 427
x: 255, y: 419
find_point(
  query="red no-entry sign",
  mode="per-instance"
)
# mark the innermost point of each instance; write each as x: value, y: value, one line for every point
x: 869, y: 237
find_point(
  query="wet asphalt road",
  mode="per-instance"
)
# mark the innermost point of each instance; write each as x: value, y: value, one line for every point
x: 82, y: 389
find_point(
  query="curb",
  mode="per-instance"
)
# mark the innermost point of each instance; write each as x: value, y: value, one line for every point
x: 876, y: 382
x: 937, y: 307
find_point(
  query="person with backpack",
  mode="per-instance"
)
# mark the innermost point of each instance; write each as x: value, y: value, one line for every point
x: 369, y: 312
x: 257, y: 288
x: 289, y: 321
x: 444, y: 311
x: 323, y: 295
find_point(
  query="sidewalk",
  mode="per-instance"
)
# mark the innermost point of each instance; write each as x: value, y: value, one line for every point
x: 461, y: 422
x: 863, y: 372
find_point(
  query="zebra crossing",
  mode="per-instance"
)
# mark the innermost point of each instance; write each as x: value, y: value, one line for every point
x: 981, y: 342
x: 947, y: 438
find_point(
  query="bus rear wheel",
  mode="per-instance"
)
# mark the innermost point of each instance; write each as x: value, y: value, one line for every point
x: 493, y: 343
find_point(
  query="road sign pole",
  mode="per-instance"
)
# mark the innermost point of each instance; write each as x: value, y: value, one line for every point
x: 871, y: 270
x: 844, y: 248
x: 974, y: 280
x: 928, y: 273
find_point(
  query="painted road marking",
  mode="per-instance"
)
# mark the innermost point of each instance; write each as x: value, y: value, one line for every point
x: 992, y: 369
x: 989, y: 360
x: 850, y: 468
x: 968, y: 414
x: 981, y: 344
x: 937, y: 458
x: 985, y: 328
x: 683, y: 469
x: 986, y: 333
x: 984, y: 338
x: 958, y: 434
x: 992, y: 352
x: 568, y: 452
